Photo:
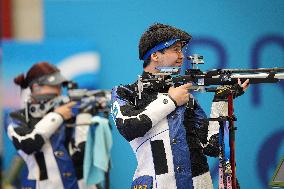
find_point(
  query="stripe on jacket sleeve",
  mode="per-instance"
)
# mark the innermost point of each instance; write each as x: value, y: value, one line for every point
x: 132, y: 122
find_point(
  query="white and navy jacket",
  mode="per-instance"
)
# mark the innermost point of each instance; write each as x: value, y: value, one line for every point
x: 170, y: 142
x: 41, y: 143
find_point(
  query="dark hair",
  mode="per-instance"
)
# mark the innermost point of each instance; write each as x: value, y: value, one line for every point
x: 37, y: 70
x: 158, y: 33
x: 146, y: 62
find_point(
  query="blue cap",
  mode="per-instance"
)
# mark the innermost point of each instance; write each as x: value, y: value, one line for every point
x: 160, y: 46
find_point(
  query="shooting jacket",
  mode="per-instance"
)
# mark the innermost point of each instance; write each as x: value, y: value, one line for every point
x: 41, y: 143
x: 170, y: 142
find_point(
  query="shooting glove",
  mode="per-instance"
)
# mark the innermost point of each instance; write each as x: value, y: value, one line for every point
x: 223, y: 91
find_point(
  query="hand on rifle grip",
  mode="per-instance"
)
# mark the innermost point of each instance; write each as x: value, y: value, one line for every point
x: 65, y: 110
x: 180, y: 94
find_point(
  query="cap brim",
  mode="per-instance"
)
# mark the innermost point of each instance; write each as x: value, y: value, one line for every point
x: 160, y: 46
x: 52, y: 79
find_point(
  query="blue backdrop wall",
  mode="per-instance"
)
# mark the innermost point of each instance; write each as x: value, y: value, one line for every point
x: 229, y: 34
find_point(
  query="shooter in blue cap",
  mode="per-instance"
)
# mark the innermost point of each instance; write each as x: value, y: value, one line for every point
x: 169, y: 137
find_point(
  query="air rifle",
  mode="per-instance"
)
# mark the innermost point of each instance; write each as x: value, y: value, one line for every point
x: 203, y: 80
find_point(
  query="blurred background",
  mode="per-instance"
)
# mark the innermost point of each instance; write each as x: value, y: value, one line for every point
x: 95, y: 42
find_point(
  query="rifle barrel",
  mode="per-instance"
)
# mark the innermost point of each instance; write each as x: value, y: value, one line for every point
x: 258, y: 75
x: 254, y: 78
x: 258, y: 70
